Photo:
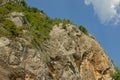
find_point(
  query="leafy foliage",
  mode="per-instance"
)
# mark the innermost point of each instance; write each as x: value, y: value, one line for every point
x: 40, y: 26
x: 8, y: 29
x: 116, y: 76
x: 83, y: 29
x: 58, y: 21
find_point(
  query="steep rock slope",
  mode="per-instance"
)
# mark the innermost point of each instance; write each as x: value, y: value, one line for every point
x: 81, y: 55
x: 65, y: 52
x: 69, y: 54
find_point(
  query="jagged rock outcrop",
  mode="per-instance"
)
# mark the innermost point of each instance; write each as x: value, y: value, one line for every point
x: 18, y: 18
x: 69, y: 54
x: 46, y: 49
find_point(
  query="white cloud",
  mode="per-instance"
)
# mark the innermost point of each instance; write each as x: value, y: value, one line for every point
x: 106, y: 10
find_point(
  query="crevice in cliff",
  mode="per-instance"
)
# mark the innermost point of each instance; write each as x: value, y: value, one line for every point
x: 52, y: 70
x: 78, y: 60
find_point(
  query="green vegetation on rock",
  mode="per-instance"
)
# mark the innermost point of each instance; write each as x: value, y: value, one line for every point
x: 116, y: 75
x: 83, y: 29
x: 8, y: 29
x: 40, y: 26
x: 39, y: 23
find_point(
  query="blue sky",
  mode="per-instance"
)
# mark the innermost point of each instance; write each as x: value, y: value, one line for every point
x: 101, y: 18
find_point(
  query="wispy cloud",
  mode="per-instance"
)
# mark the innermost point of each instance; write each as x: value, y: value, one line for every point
x: 106, y: 10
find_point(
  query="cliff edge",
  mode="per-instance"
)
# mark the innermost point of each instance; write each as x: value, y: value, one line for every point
x: 35, y: 47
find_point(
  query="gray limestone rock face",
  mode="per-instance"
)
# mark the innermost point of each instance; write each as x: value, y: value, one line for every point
x: 13, y: 60
x: 18, y: 18
x: 4, y: 41
x: 69, y: 54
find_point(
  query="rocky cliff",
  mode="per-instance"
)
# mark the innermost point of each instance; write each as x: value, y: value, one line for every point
x: 68, y: 54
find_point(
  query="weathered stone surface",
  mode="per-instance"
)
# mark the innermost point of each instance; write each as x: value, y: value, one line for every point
x: 4, y: 42
x: 18, y: 18
x: 69, y: 54
x: 84, y: 54
x: 13, y: 60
